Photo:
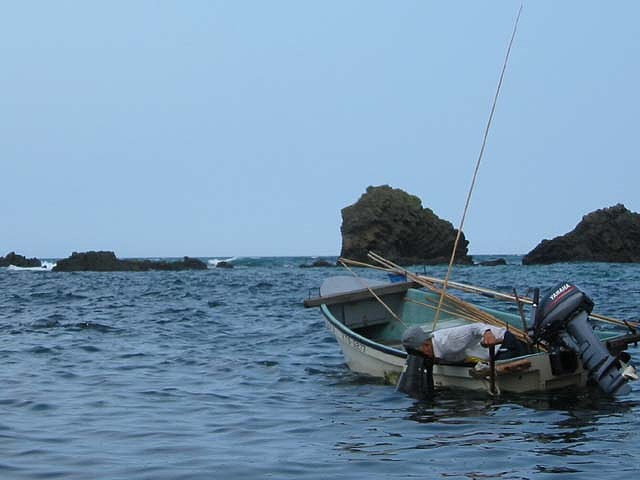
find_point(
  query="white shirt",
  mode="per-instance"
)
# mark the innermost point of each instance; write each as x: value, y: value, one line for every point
x: 457, y: 343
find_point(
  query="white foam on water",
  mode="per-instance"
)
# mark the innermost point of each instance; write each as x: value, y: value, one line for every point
x: 46, y: 267
x: 215, y: 261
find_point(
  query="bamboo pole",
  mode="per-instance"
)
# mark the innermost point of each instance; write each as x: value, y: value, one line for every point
x: 363, y: 264
x: 487, y: 292
x: 453, y: 313
x: 475, y: 173
x: 387, y: 308
x: 465, y: 309
x: 529, y: 301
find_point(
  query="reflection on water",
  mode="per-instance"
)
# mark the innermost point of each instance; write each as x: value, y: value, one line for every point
x: 577, y: 431
x: 463, y: 434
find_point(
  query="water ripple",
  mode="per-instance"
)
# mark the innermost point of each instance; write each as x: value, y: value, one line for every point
x: 222, y: 374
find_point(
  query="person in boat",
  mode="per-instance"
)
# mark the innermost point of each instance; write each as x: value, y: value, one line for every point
x: 462, y: 343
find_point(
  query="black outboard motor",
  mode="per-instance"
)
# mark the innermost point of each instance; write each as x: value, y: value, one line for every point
x: 417, y: 376
x: 562, y: 321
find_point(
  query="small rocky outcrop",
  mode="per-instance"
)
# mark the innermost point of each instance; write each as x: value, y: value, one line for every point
x: 492, y: 263
x: 12, y: 258
x: 224, y: 264
x: 607, y: 235
x: 108, y: 262
x: 318, y: 263
x: 392, y: 223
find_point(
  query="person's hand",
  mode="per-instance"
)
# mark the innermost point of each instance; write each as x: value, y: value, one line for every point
x: 488, y: 339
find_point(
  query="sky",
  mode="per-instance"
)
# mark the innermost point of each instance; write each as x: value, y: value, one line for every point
x: 242, y: 128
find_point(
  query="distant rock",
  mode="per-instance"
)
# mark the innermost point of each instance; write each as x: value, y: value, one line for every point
x: 318, y: 263
x: 392, y: 223
x: 492, y: 263
x: 607, y: 235
x: 224, y: 264
x: 187, y: 263
x: 12, y: 258
x: 107, y: 262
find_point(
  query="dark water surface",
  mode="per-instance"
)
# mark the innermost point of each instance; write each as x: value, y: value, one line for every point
x: 223, y: 374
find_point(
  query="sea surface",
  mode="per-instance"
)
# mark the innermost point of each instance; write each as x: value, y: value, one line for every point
x: 223, y: 374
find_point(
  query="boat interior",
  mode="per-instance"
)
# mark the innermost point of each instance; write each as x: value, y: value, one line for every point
x: 370, y: 317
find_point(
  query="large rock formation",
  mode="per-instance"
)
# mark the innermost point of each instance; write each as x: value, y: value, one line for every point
x: 392, y: 223
x: 107, y: 262
x: 607, y: 235
x: 12, y: 258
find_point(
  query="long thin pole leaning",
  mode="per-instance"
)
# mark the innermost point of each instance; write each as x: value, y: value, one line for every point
x: 365, y: 285
x: 488, y: 292
x: 475, y: 173
x: 467, y: 310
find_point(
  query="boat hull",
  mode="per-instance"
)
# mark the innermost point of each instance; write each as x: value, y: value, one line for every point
x: 368, y: 319
x: 368, y: 357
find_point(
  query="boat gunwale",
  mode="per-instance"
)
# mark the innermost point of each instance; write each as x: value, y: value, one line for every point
x: 356, y: 336
x: 402, y: 354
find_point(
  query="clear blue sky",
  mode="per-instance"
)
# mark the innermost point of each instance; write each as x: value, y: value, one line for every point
x: 213, y: 128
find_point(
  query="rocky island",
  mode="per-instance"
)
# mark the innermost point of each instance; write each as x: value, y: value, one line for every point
x: 393, y: 223
x: 607, y: 235
x: 108, y: 262
x: 12, y: 258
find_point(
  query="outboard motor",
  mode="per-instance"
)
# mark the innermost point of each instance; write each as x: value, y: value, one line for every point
x: 417, y: 376
x: 562, y: 321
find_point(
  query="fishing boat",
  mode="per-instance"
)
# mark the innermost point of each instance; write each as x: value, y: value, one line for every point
x: 368, y: 318
x: 562, y: 347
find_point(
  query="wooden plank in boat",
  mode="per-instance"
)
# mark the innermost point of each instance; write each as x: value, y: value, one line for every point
x: 357, y: 295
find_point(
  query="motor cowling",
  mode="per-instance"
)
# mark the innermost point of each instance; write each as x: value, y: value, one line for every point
x: 557, y: 308
x: 562, y: 322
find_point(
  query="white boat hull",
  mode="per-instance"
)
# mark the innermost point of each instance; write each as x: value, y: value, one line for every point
x: 369, y: 335
x: 365, y: 359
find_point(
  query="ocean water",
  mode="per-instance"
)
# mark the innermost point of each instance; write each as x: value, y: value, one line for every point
x: 223, y: 374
